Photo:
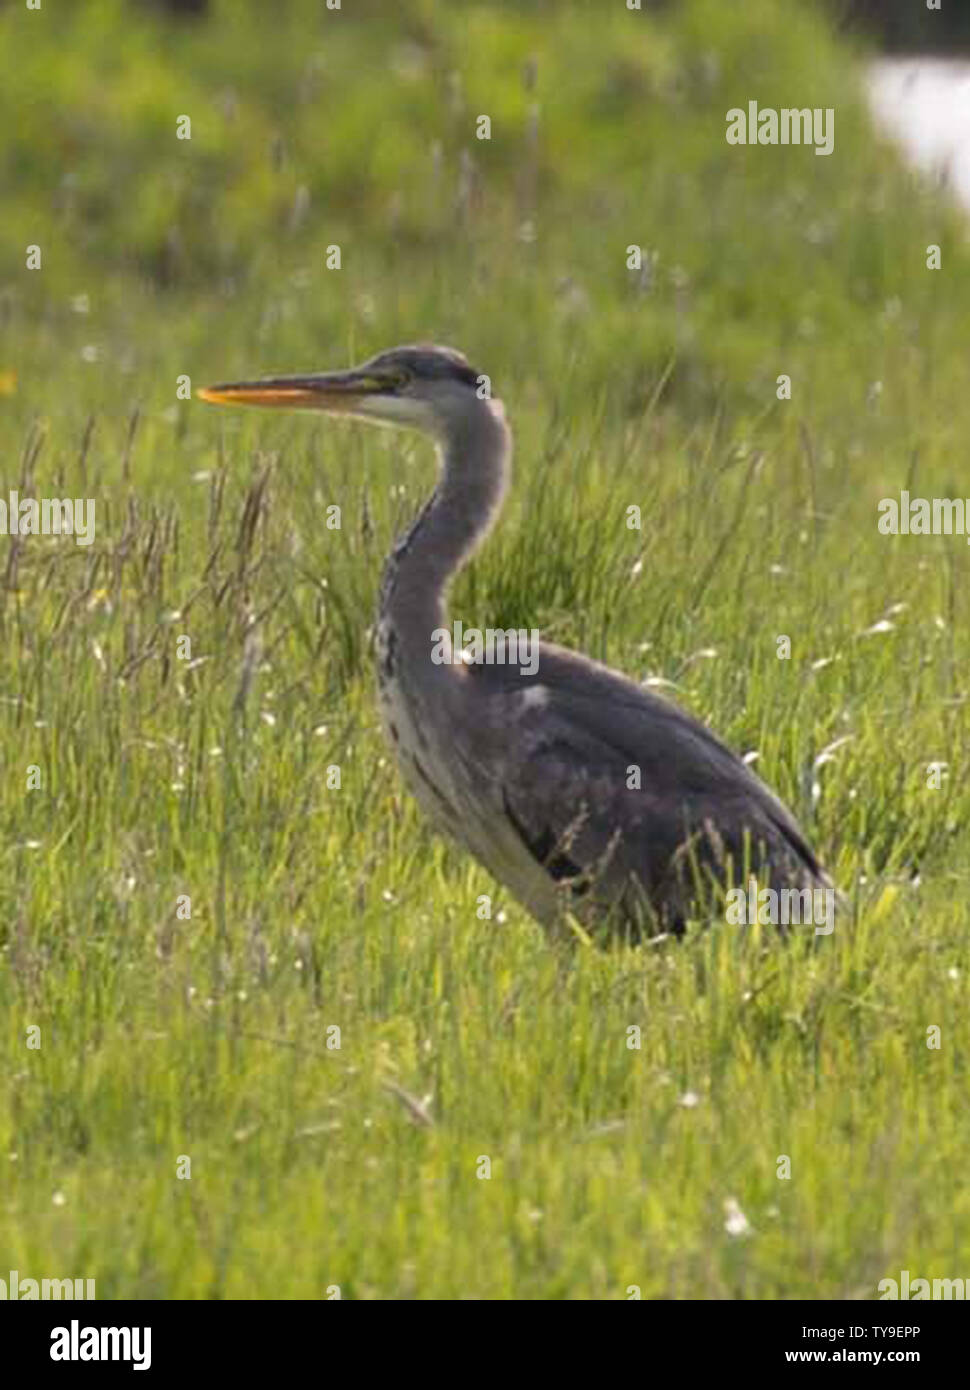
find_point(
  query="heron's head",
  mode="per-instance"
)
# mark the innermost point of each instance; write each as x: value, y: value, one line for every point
x: 427, y: 387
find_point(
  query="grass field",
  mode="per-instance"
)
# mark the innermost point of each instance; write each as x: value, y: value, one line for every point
x: 189, y: 909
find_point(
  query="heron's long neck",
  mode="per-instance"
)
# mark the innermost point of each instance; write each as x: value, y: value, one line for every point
x: 475, y: 455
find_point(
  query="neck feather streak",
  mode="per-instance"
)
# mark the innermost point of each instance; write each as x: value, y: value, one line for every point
x: 474, y: 456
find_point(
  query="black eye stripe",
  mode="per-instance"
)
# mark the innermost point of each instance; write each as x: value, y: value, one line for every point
x: 409, y: 365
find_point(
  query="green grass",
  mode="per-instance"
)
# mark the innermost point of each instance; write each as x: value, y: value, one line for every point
x: 313, y: 907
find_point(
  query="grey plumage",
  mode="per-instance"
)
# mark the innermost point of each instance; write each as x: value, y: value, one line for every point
x: 535, y: 773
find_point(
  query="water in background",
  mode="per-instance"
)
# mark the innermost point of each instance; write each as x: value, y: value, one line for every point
x: 924, y: 104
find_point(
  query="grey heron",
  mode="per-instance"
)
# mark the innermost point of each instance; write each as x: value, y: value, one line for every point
x: 581, y: 791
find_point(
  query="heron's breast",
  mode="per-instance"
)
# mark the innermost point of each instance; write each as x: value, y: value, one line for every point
x: 410, y: 729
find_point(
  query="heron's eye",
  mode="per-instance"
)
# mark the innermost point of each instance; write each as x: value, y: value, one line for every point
x: 400, y: 380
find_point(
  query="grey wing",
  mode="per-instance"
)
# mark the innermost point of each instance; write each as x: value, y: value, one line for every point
x: 624, y: 798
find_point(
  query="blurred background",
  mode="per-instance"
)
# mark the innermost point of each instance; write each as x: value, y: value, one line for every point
x: 195, y: 192
x: 357, y: 129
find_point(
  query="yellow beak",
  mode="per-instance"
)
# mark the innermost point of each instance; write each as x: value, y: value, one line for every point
x: 332, y: 391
